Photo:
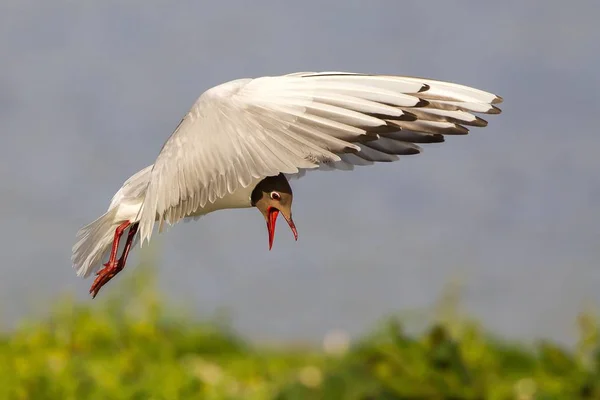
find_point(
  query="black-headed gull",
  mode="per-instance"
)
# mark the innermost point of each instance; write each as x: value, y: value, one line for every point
x: 240, y: 141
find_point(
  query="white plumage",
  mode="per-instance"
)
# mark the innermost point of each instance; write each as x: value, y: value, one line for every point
x: 242, y: 131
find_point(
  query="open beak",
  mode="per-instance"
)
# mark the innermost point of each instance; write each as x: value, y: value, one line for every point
x: 272, y: 214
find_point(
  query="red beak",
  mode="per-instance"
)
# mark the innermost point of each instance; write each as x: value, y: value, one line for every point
x: 272, y: 214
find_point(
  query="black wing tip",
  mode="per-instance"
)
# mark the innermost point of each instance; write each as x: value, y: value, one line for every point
x: 497, y: 100
x: 480, y: 122
x: 494, y: 110
x: 407, y: 116
x: 422, y: 103
x: 437, y: 138
x: 456, y: 130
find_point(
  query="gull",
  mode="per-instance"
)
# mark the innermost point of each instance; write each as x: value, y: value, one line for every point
x: 242, y: 140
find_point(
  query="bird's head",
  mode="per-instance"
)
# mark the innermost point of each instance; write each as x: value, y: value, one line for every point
x: 273, y: 195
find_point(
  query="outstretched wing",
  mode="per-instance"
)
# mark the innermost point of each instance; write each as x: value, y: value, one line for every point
x: 249, y: 129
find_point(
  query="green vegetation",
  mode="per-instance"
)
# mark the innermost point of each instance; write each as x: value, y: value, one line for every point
x: 134, y: 347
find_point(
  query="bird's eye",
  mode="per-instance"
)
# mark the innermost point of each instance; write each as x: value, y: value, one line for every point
x: 275, y: 196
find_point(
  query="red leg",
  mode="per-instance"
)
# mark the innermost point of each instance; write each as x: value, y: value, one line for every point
x: 128, y: 243
x: 115, y: 246
x: 112, y: 267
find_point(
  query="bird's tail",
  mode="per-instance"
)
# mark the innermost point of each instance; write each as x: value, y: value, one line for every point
x: 93, y: 242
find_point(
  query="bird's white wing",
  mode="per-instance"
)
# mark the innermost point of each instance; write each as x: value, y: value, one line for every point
x: 253, y: 128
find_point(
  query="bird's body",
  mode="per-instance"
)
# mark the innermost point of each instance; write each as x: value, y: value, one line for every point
x: 240, y: 139
x: 128, y: 208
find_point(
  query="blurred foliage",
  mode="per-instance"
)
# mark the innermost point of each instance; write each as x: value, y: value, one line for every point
x: 131, y: 346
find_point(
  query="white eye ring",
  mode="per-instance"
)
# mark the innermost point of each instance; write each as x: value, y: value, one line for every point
x: 275, y: 196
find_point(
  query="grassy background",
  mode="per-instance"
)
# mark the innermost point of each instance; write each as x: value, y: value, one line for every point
x: 133, y: 346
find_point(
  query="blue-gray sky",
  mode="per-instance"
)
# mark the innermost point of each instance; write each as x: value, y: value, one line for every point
x: 90, y: 90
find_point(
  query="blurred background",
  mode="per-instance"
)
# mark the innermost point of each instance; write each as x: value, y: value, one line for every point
x: 89, y: 91
x: 508, y: 216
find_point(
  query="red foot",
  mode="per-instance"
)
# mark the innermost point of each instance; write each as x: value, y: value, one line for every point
x: 113, y: 266
x: 105, y: 275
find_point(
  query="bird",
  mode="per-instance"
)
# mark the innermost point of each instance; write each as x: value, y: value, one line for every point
x: 243, y: 140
